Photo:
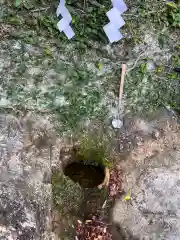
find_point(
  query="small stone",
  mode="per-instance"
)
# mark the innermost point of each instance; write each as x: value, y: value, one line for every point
x: 156, y: 135
x: 150, y: 66
x: 4, y: 102
x: 117, y: 123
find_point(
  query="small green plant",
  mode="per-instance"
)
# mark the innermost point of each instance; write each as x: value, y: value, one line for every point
x: 67, y: 195
x: 94, y: 150
x: 23, y: 3
x: 174, y: 14
x: 143, y: 68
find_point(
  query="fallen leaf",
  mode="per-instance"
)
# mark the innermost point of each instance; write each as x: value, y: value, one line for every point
x: 100, y: 66
x: 171, y: 4
x: 127, y: 198
x: 48, y: 52
x: 88, y: 221
x: 73, y: 20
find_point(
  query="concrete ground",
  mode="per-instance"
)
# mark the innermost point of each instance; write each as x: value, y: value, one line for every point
x: 151, y: 177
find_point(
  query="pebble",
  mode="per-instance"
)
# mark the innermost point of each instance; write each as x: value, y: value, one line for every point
x: 117, y: 123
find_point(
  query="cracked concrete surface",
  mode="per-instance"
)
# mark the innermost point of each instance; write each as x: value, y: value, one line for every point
x: 151, y: 174
x: 25, y: 199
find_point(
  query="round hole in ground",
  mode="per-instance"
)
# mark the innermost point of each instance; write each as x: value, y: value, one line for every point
x: 87, y: 175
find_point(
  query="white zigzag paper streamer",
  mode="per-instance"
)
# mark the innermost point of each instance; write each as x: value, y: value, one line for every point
x: 64, y: 24
x: 116, y: 21
x: 112, y: 29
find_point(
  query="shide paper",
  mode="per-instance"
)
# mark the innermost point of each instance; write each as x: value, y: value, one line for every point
x: 64, y: 24
x: 112, y: 29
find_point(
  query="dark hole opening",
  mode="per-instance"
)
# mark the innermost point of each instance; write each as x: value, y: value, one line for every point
x: 88, y: 176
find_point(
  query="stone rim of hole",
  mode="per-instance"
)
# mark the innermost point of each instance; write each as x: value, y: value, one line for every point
x: 68, y: 156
